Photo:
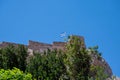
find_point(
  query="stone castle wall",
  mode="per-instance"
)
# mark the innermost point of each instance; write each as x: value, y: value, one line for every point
x: 6, y: 44
x: 40, y: 47
x: 37, y: 46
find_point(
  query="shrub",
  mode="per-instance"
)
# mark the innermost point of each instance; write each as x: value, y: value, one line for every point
x: 14, y: 74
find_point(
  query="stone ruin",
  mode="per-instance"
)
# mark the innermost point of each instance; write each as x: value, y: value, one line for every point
x: 39, y: 46
x: 36, y: 46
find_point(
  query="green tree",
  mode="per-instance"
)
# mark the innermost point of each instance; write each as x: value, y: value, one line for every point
x: 46, y: 66
x: 8, y: 57
x: 13, y: 56
x: 21, y: 52
x: 1, y: 58
x: 77, y: 60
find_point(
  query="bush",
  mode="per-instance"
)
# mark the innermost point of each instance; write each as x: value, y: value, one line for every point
x: 14, y: 74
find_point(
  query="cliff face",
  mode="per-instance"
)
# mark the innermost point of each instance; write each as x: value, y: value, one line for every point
x: 96, y: 61
x: 40, y: 47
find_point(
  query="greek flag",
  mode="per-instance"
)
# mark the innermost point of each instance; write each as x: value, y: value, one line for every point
x: 63, y: 34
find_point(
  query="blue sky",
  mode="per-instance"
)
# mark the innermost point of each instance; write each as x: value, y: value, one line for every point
x: 44, y: 20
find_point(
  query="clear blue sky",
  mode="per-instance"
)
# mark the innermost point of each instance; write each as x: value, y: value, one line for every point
x: 44, y: 20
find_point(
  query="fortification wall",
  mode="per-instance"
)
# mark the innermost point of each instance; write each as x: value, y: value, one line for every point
x: 58, y: 45
x: 40, y: 47
x: 6, y: 44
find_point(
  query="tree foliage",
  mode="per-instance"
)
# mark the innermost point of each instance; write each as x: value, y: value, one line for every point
x: 77, y: 60
x: 47, y: 66
x: 12, y: 56
x: 14, y: 74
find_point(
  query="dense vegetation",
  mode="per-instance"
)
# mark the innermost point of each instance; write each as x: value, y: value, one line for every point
x: 48, y: 66
x: 14, y: 74
x: 13, y: 57
x: 74, y: 63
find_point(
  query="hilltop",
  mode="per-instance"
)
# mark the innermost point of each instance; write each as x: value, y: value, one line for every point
x: 38, y: 47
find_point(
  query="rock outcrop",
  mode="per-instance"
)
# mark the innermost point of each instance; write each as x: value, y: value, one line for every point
x: 100, y: 61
